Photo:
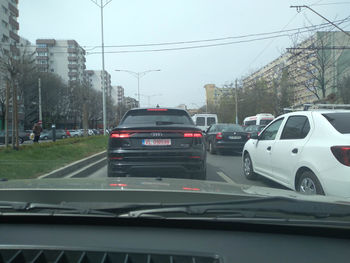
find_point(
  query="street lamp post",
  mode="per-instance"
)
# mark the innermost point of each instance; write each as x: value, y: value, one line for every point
x: 101, y: 6
x: 149, y: 97
x: 138, y: 75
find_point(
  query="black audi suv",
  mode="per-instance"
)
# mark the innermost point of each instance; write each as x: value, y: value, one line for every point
x: 157, y: 142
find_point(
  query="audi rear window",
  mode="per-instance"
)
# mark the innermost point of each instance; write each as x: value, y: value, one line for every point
x: 168, y: 117
x: 340, y: 121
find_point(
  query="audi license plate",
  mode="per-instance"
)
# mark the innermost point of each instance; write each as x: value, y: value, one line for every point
x: 234, y: 137
x: 156, y: 142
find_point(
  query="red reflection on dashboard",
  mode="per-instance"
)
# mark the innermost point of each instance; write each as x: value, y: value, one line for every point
x: 120, y: 185
x: 191, y: 189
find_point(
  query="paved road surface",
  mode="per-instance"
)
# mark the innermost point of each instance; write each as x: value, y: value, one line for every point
x: 222, y: 168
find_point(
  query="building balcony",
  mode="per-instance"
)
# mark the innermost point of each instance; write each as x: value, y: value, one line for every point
x: 50, y: 42
x: 14, y: 36
x: 42, y: 66
x: 13, y: 22
x: 42, y: 58
x: 72, y: 50
x: 42, y: 49
x: 72, y: 74
x: 70, y: 58
x: 72, y: 66
x: 13, y: 9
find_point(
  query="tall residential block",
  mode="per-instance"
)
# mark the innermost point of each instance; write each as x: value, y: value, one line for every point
x: 65, y: 58
x: 96, y: 77
x: 319, y: 58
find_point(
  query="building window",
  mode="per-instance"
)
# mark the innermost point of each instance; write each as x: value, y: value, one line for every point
x: 42, y: 45
x: 4, y: 9
x: 5, y: 38
x: 52, y: 70
x: 42, y: 62
x: 42, y: 54
x: 4, y: 24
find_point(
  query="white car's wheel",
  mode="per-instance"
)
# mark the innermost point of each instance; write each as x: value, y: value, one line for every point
x: 308, y: 184
x: 248, y: 167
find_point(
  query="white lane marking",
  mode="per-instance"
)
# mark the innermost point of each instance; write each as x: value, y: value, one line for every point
x: 226, y: 178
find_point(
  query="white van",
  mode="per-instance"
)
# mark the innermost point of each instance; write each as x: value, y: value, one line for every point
x: 259, y: 119
x: 203, y: 121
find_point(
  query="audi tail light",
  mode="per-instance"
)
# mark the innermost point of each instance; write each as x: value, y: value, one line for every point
x: 219, y: 136
x: 120, y: 135
x: 193, y: 135
x: 342, y: 154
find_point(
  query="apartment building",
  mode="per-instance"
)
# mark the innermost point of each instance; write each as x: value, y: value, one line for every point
x: 9, y: 40
x: 95, y: 80
x: 214, y: 94
x: 131, y: 103
x: 304, y: 62
x: 65, y: 58
x: 120, y: 94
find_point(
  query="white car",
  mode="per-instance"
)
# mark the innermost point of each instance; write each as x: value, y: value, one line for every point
x: 306, y: 151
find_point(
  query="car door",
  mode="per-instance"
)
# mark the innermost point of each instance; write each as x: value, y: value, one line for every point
x: 208, y: 133
x: 263, y: 147
x: 288, y: 147
x: 212, y: 134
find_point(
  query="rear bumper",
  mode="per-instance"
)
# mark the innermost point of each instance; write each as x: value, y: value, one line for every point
x: 224, y: 145
x: 182, y: 164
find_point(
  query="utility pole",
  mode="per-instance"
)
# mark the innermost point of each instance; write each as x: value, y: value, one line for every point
x: 15, y: 144
x: 236, y: 98
x: 298, y: 7
x: 40, y: 109
x: 7, y: 114
x: 101, y: 6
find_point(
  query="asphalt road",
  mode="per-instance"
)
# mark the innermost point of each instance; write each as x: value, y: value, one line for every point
x: 222, y: 168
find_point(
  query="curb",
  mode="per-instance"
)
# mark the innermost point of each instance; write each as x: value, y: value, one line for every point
x: 70, y: 168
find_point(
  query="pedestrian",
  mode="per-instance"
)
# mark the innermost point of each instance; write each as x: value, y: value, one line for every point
x: 67, y: 133
x: 37, y: 131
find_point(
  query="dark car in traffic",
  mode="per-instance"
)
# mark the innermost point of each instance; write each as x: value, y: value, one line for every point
x: 157, y: 142
x: 225, y: 137
x: 254, y: 130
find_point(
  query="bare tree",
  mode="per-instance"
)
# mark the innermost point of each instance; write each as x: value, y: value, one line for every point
x: 313, y: 63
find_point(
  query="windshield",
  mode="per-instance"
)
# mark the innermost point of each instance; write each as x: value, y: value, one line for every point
x: 230, y: 128
x: 152, y: 117
x: 179, y: 101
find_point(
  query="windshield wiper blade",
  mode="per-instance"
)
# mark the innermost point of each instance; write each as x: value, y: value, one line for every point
x: 49, y: 208
x: 270, y: 206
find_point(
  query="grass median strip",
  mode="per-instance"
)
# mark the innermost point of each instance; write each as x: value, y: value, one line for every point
x: 32, y: 161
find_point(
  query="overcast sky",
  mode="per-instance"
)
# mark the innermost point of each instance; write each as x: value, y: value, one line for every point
x: 183, y: 72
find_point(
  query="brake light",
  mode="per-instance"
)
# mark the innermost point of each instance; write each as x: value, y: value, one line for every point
x: 116, y: 158
x: 157, y: 109
x: 193, y: 135
x: 120, y: 135
x: 342, y: 154
x: 219, y: 136
x: 248, y: 136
